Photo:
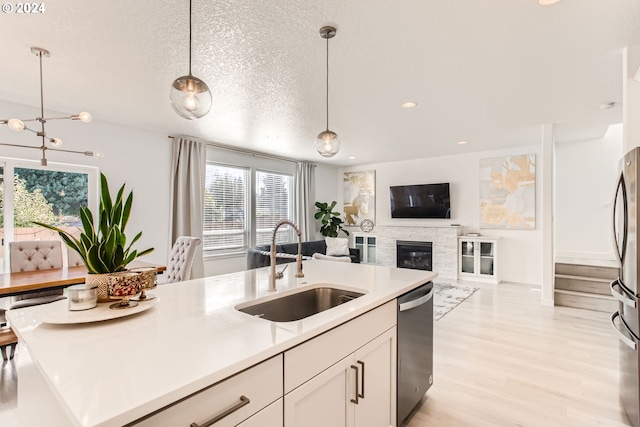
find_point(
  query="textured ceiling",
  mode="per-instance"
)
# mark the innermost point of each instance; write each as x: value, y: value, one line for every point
x: 490, y: 72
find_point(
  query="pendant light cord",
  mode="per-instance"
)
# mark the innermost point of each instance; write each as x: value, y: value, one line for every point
x: 327, y: 37
x: 190, y: 1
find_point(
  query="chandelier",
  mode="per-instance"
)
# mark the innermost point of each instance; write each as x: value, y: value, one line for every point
x: 54, y: 143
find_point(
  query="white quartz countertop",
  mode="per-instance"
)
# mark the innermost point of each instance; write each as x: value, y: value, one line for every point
x: 113, y: 372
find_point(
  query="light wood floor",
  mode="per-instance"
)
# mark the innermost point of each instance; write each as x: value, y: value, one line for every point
x: 502, y: 359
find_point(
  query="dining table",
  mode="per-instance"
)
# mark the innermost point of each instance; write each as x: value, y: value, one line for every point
x: 23, y: 282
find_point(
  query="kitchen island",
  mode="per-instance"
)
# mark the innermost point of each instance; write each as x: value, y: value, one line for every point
x: 117, y: 372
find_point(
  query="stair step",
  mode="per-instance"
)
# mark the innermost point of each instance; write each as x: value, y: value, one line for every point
x: 593, y: 285
x: 587, y: 271
x: 595, y: 302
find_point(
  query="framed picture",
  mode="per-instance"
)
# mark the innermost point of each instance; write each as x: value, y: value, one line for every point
x: 508, y: 192
x: 359, y: 197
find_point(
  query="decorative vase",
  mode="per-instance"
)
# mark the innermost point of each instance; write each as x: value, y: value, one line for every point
x: 102, y: 282
x: 124, y: 284
x: 148, y: 281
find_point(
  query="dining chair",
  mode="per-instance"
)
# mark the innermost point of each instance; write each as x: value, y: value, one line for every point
x: 73, y: 258
x: 181, y: 258
x: 32, y: 255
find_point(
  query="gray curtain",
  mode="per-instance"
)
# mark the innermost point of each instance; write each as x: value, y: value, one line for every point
x: 188, y: 164
x: 305, y: 199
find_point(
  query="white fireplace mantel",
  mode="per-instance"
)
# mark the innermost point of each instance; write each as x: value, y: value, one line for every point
x: 444, y: 239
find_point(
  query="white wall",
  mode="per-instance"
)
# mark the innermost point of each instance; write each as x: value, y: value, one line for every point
x: 630, y: 97
x: 520, y: 250
x: 140, y: 158
x: 586, y: 174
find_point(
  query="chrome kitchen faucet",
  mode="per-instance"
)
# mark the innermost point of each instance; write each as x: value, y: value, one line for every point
x: 272, y: 255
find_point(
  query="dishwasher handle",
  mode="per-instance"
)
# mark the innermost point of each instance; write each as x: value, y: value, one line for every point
x: 416, y: 302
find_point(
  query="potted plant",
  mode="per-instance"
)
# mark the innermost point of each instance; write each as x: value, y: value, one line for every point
x: 331, y: 221
x: 102, y: 244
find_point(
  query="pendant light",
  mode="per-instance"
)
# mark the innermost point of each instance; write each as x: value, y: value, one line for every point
x: 190, y: 96
x: 327, y: 142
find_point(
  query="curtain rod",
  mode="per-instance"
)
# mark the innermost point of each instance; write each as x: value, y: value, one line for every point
x: 239, y: 150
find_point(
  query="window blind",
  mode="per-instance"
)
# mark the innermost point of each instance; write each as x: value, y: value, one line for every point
x: 225, y: 208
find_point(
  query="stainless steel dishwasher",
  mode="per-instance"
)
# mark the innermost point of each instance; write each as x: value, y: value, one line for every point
x: 415, y: 348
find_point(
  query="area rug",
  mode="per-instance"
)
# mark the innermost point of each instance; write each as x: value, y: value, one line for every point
x: 447, y: 296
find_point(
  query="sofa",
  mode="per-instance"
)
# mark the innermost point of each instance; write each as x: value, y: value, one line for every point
x: 258, y: 256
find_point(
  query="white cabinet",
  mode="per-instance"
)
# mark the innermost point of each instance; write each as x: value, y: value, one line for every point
x: 269, y: 416
x: 366, y: 243
x: 350, y: 383
x: 229, y: 402
x: 478, y: 258
x: 376, y: 404
x: 359, y: 389
x: 323, y: 400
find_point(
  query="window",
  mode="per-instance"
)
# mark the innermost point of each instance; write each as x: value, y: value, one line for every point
x: 273, y: 204
x: 225, y: 207
x: 53, y: 195
x: 242, y: 205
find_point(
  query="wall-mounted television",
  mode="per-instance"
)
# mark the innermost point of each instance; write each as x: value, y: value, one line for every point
x: 420, y: 201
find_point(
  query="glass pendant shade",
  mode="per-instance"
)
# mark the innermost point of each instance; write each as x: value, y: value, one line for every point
x: 190, y: 97
x: 327, y: 143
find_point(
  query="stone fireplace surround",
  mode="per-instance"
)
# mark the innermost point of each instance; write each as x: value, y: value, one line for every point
x: 444, y: 239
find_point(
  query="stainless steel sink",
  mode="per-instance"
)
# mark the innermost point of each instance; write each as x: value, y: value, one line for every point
x: 300, y: 305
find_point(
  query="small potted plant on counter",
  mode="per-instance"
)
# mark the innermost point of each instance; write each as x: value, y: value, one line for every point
x: 102, y: 244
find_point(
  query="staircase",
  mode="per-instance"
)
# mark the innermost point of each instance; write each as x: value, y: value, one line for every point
x: 585, y: 286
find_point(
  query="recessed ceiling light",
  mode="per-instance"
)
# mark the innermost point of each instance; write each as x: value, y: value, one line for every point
x: 547, y: 2
x: 409, y: 104
x: 351, y: 158
x: 462, y: 142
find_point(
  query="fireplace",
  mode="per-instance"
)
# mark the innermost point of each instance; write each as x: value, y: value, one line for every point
x: 416, y: 255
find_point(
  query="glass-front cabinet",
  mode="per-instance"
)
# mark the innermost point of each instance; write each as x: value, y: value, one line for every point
x: 477, y: 258
x: 366, y: 243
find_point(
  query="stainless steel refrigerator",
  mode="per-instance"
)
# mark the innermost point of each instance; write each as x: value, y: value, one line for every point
x: 626, y: 289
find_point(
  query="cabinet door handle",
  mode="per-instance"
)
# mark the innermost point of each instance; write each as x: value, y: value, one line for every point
x: 362, y: 364
x: 243, y: 401
x: 355, y: 383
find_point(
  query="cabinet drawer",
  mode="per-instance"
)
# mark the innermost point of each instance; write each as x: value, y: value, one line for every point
x: 314, y: 356
x: 260, y: 384
x: 271, y: 416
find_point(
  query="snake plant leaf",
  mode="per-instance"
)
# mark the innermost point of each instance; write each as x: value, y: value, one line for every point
x: 135, y: 239
x: 87, y: 222
x: 119, y: 258
x: 105, y: 197
x: 93, y: 260
x: 145, y: 252
x: 110, y: 244
x: 127, y: 210
x: 116, y: 213
x: 133, y: 255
